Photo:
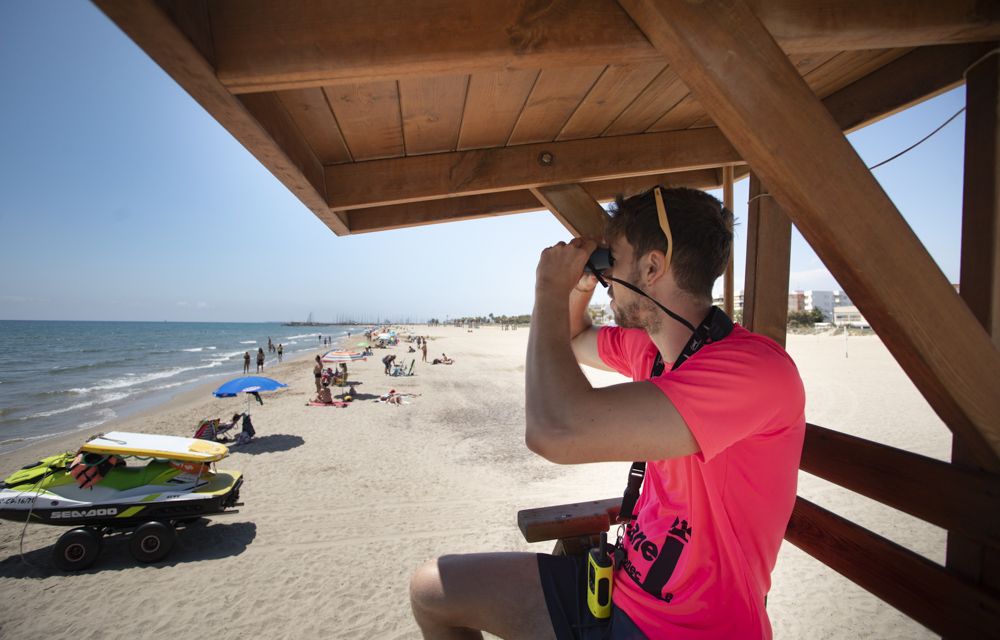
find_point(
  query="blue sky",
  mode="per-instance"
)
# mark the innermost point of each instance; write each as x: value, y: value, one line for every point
x: 122, y: 199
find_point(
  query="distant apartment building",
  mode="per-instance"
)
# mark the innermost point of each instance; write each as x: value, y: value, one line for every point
x: 737, y: 302
x: 825, y: 301
x: 796, y: 301
x: 799, y: 301
x: 848, y: 315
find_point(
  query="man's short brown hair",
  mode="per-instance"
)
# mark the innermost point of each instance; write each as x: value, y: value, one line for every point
x: 701, y: 227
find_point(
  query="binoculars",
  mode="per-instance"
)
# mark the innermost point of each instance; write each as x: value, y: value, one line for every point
x: 599, y: 261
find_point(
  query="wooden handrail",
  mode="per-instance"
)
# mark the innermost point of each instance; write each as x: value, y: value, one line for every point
x: 921, y: 589
x: 568, y: 520
x: 960, y: 500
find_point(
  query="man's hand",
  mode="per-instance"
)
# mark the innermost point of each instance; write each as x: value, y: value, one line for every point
x: 560, y: 268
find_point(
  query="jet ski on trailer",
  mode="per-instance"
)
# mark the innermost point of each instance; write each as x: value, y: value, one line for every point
x: 139, y: 484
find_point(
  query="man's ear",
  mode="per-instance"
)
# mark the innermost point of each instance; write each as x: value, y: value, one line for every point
x: 654, y: 266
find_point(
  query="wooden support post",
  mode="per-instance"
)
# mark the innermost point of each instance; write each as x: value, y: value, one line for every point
x: 980, y: 276
x: 750, y: 89
x: 769, y: 248
x: 574, y: 208
x: 727, y: 277
x: 980, y: 272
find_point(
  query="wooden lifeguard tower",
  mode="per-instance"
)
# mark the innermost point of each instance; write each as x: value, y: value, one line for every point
x: 380, y: 115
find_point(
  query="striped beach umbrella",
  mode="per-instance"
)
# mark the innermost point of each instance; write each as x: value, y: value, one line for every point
x: 331, y: 357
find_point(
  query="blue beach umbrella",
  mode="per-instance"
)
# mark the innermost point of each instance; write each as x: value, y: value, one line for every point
x: 247, y: 384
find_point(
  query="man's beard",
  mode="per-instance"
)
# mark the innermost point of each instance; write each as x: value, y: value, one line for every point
x: 627, y: 317
x: 638, y: 314
x: 641, y: 313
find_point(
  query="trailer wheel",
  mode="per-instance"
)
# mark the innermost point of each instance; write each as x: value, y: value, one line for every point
x: 77, y: 549
x: 152, y: 541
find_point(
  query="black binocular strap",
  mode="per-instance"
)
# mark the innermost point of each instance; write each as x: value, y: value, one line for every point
x: 713, y: 328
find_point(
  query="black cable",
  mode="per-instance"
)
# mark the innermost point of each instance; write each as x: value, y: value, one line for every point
x: 645, y: 295
x: 918, y: 143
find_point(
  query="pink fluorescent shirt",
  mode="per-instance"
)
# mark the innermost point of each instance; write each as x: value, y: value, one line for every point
x: 709, y: 525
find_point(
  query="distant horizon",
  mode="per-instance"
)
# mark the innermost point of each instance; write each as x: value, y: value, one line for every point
x: 447, y: 318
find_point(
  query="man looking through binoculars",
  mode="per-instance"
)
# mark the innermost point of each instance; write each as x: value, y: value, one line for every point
x: 716, y: 410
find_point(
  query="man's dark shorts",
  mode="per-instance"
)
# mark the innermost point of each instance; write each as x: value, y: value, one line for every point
x: 566, y: 598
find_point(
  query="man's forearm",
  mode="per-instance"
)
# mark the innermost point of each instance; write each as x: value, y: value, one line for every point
x: 553, y: 379
x: 579, y: 317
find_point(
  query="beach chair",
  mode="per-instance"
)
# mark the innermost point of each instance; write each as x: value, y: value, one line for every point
x: 212, y: 429
x: 207, y: 429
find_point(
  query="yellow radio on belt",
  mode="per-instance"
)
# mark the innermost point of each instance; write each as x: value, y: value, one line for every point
x: 600, y: 574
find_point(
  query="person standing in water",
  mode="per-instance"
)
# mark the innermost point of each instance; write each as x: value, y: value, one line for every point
x: 246, y: 362
x: 281, y: 350
x: 260, y: 359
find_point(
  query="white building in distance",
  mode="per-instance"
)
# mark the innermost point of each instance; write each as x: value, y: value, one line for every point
x: 825, y: 301
x: 848, y: 315
x: 799, y: 301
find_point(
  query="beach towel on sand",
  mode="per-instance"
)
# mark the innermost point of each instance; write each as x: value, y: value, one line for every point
x: 335, y: 403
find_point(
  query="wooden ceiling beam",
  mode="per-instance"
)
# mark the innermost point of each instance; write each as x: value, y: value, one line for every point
x: 416, y: 214
x: 915, y: 77
x: 260, y: 125
x: 463, y: 173
x: 509, y: 202
x: 749, y: 87
x: 576, y: 209
x: 265, y: 45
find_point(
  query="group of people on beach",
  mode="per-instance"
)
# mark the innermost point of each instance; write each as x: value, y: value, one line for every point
x: 271, y: 348
x: 324, y: 378
x: 260, y: 361
x: 279, y: 349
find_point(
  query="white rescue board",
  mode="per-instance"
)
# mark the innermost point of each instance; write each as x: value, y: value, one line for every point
x: 156, y: 446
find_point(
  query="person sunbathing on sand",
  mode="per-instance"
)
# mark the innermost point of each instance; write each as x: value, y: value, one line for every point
x: 393, y: 397
x: 444, y: 359
x: 324, y: 396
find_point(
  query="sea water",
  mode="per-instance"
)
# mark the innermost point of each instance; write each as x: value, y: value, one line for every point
x: 56, y: 377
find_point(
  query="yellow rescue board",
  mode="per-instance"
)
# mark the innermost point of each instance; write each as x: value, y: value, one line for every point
x: 156, y: 446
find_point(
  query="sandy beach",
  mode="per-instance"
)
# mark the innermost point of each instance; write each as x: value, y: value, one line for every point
x: 342, y: 504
